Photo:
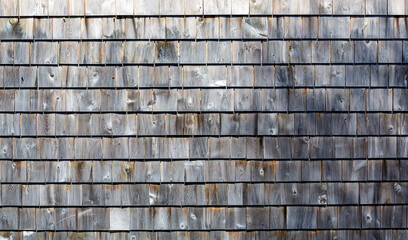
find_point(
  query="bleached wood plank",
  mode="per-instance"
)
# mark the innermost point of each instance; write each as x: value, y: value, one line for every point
x: 246, y: 52
x: 254, y: 28
x: 377, y: 7
x: 175, y: 28
x: 230, y: 28
x: 349, y: 7
x: 146, y: 7
x: 157, y: 28
x: 43, y: 28
x: 260, y: 7
x: 7, y: 53
x: 217, y: 100
x: 9, y: 8
x: 69, y: 53
x: 11, y: 77
x: 172, y: 7
x: 334, y: 27
x: 396, y: 7
x: 146, y: 50
x: 58, y: 7
x: 13, y: 28
x: 194, y: 7
x: 44, y: 53
x: 213, y: 7
x: 207, y: 28
x: 98, y: 7
x: 33, y: 8
x: 193, y: 52
x: 275, y: 52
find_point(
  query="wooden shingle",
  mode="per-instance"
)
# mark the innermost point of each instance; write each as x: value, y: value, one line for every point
x: 301, y: 217
x: 334, y: 27
x: 275, y: 52
x: 366, y: 52
x: 146, y: 49
x: 14, y: 28
x: 246, y: 52
x: 44, y: 53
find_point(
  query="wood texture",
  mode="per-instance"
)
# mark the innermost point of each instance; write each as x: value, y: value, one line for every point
x: 203, y: 119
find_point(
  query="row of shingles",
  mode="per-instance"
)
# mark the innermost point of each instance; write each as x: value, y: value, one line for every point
x: 235, y: 172
x: 279, y: 235
x: 203, y: 148
x: 204, y: 195
x: 197, y: 218
x: 181, y: 171
x: 188, y: 53
x: 192, y: 28
x: 203, y: 100
x: 244, y: 124
x: 151, y: 77
x: 201, y: 7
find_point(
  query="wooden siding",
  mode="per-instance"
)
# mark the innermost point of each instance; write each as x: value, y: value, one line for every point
x: 203, y: 119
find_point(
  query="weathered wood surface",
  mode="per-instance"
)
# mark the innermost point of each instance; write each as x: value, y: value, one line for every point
x: 205, y: 28
x: 203, y: 119
x: 199, y: 7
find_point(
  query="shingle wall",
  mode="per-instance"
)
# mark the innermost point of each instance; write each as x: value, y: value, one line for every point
x: 204, y: 119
